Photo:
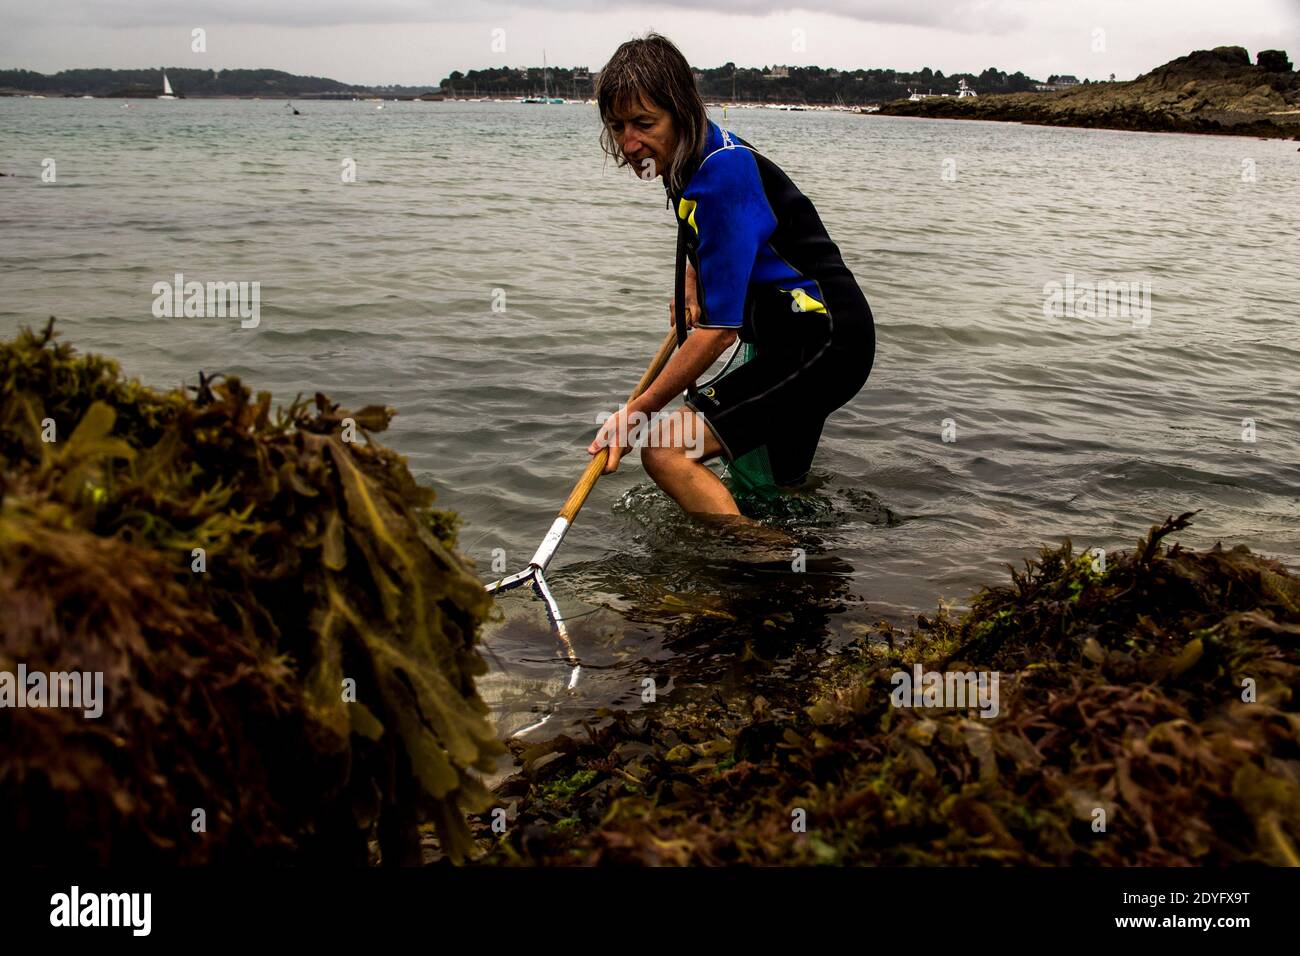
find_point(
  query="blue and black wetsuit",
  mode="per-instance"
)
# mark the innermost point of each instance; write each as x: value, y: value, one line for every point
x: 766, y: 267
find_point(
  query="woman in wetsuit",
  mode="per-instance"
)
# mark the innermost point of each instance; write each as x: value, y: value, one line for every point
x: 758, y: 264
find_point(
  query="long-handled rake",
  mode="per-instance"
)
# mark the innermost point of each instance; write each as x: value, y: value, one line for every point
x: 564, y: 520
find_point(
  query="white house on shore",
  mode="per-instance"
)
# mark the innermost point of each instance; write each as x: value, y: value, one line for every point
x: 1055, y: 83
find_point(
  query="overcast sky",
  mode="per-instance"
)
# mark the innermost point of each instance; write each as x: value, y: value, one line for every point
x: 421, y: 41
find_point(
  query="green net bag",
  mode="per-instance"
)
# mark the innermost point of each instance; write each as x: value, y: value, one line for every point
x: 750, y: 475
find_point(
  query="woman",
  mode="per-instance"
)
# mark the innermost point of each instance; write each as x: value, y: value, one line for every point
x: 759, y: 265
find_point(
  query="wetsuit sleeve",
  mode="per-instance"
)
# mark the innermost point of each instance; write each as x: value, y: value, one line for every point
x: 729, y: 211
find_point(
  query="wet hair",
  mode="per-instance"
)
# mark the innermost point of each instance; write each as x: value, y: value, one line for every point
x: 653, y: 69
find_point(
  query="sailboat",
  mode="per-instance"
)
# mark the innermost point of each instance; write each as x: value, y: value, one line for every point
x: 550, y: 99
x: 545, y: 97
x: 167, y: 93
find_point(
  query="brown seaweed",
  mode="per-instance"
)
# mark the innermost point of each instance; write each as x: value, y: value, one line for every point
x: 1147, y: 717
x: 286, y: 633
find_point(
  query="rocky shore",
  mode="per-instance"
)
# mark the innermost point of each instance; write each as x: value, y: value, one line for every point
x: 1208, y: 91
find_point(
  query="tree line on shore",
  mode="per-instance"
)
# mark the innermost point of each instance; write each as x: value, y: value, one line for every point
x: 801, y: 84
x: 187, y: 82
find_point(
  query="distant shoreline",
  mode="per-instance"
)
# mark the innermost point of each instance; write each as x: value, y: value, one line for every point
x: 1215, y: 92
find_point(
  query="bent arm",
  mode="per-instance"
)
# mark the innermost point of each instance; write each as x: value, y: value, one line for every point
x: 701, y: 350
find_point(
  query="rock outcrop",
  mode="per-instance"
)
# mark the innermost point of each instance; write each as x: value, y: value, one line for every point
x: 1208, y: 91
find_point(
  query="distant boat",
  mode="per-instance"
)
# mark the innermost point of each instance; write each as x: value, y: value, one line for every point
x: 546, y: 95
x: 963, y: 90
x: 167, y: 93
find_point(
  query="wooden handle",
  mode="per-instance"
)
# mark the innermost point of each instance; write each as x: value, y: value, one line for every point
x: 597, y: 464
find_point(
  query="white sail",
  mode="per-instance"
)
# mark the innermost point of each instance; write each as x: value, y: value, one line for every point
x: 167, y: 89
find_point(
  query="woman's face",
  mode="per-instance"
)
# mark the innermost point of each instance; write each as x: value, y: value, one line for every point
x: 647, y: 138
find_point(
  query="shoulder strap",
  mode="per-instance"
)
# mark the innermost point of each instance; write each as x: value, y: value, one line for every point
x: 679, y: 290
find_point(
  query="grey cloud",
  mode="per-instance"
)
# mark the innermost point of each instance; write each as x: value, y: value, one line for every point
x: 973, y: 15
x: 994, y: 16
x: 290, y: 13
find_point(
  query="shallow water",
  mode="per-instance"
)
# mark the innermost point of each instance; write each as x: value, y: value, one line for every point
x: 382, y: 290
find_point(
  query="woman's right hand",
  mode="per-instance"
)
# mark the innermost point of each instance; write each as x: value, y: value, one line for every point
x: 692, y: 301
x: 692, y: 313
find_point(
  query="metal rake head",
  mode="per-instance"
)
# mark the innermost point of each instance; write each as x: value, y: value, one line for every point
x: 533, y: 575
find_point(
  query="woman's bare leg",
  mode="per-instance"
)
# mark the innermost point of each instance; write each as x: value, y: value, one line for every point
x: 674, y: 456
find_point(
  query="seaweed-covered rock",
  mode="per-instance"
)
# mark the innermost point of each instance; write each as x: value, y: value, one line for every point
x: 1207, y: 91
x: 285, y: 634
x: 1146, y: 713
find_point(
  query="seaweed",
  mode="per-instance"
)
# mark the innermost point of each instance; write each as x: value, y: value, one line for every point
x: 1147, y: 717
x: 286, y: 633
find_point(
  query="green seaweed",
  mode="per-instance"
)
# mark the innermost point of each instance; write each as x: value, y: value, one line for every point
x: 323, y: 562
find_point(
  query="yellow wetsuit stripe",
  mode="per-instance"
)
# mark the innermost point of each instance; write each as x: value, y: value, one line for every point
x: 686, y: 210
x: 803, y: 302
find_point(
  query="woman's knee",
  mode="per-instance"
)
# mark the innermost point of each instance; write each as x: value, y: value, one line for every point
x: 658, y: 460
x: 677, y: 441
